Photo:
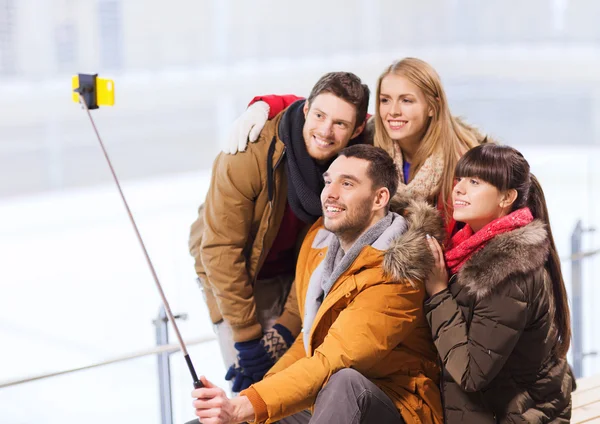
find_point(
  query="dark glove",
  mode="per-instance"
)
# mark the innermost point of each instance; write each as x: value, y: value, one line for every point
x: 277, y: 341
x: 240, y: 381
x: 256, y: 364
x: 252, y: 364
x: 253, y: 359
x: 256, y: 357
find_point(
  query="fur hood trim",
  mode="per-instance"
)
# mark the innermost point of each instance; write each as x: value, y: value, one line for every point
x: 408, y: 258
x: 520, y: 251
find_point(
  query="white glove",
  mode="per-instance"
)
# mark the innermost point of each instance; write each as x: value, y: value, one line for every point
x: 247, y: 127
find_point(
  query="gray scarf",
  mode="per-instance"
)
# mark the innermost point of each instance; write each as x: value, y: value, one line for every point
x: 336, y: 262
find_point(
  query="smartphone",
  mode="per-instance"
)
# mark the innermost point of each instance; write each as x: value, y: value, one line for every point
x: 105, y: 91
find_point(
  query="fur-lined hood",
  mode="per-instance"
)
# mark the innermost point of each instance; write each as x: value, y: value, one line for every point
x: 520, y: 251
x: 408, y: 256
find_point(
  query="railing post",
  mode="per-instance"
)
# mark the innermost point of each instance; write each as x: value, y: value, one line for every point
x: 576, y: 312
x: 577, y: 256
x: 164, y: 366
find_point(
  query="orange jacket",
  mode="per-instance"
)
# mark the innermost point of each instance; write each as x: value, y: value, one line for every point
x: 372, y: 320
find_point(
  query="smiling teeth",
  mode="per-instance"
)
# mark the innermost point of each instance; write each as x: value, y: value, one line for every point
x: 460, y: 202
x: 397, y: 124
x: 321, y: 142
x: 332, y: 209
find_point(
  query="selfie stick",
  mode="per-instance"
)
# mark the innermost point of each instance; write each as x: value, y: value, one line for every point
x: 87, y: 91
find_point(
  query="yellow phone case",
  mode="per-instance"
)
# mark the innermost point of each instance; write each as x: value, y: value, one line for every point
x: 105, y: 91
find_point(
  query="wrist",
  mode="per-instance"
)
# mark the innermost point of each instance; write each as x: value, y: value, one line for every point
x: 284, y: 333
x: 247, y: 344
x: 242, y: 409
x: 436, y: 288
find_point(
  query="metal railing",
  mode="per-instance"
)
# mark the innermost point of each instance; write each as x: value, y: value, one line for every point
x: 164, y: 349
x: 576, y: 258
x: 164, y: 365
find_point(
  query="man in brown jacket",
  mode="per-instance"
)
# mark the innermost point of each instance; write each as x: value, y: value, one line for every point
x: 256, y: 210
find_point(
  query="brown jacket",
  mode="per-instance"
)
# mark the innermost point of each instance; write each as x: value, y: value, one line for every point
x: 372, y: 320
x: 495, y: 335
x: 235, y: 230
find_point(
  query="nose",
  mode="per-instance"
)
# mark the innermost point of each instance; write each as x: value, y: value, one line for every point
x: 326, y: 128
x: 459, y: 187
x: 330, y: 192
x: 396, y: 109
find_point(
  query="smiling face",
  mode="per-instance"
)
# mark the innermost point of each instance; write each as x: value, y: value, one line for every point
x: 350, y: 202
x: 477, y: 203
x: 403, y: 108
x: 329, y: 126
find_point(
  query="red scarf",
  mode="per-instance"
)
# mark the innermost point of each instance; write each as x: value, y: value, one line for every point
x: 465, y: 243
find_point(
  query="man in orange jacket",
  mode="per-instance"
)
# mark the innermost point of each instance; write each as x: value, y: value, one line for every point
x: 365, y: 353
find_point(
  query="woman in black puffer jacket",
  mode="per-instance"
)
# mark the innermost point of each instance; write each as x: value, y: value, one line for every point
x: 498, y: 309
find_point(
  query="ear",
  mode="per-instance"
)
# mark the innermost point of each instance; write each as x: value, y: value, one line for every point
x: 431, y: 111
x: 382, y: 198
x: 305, y: 109
x: 508, y: 198
x: 358, y: 130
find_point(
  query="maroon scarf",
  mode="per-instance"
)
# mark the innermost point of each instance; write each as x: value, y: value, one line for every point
x: 465, y: 243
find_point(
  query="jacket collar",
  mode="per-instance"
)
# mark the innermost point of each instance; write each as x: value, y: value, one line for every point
x: 520, y: 251
x: 275, y: 153
x: 408, y: 257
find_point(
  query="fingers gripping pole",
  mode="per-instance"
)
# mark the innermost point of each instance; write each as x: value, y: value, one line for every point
x: 197, y: 383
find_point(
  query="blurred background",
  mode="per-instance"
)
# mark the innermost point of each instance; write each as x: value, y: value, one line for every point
x: 75, y: 289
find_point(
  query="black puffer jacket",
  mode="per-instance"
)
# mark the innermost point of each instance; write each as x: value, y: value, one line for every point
x: 494, y: 331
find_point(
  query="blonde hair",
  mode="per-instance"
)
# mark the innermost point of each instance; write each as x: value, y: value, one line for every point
x: 444, y: 134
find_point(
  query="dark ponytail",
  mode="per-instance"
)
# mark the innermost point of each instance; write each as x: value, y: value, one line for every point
x: 537, y: 204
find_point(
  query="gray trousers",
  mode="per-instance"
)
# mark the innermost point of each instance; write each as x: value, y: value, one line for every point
x: 348, y: 398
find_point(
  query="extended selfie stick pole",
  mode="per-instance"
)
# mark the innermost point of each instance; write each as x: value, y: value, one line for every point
x: 197, y: 383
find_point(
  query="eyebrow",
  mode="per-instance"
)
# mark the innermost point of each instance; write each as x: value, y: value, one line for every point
x: 349, y: 177
x: 401, y: 95
x: 344, y: 177
x: 336, y: 120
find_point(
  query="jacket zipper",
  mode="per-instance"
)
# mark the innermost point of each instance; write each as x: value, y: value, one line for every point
x: 442, y: 370
x: 260, y: 258
x: 442, y: 388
